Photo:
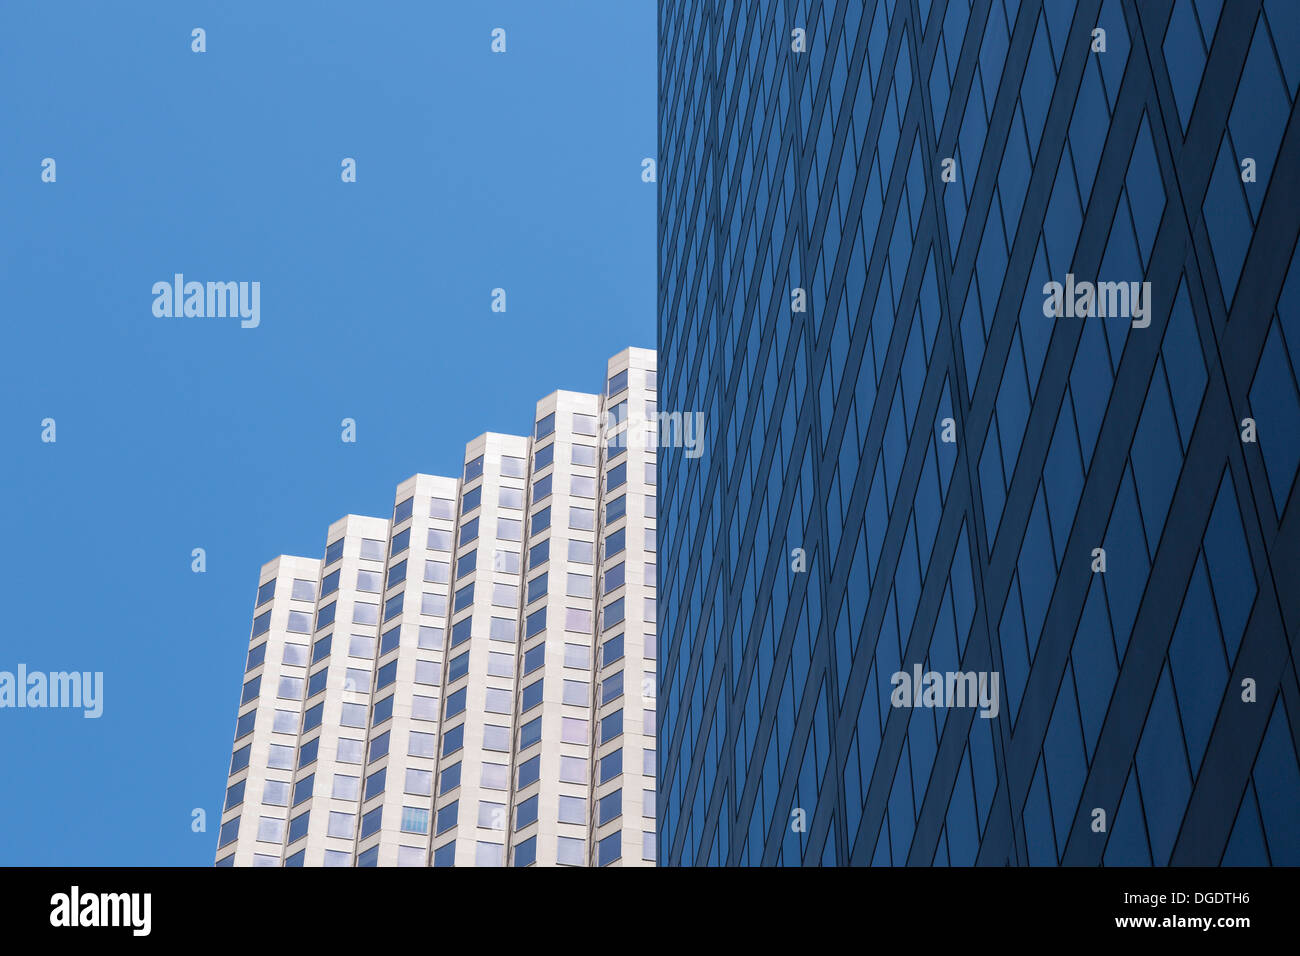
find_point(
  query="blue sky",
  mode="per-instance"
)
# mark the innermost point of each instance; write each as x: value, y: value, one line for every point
x: 474, y: 171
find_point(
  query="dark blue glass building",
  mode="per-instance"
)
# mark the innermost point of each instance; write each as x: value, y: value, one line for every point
x: 923, y: 458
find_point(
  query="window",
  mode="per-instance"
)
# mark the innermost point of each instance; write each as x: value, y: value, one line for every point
x: 542, y: 488
x: 456, y: 703
x: 505, y: 595
x: 582, y: 519
x: 577, y: 692
x: 439, y: 540
x: 491, y: 816
x: 298, y: 826
x: 545, y: 426
x: 584, y: 424
x: 442, y: 508
x: 650, y: 476
x: 299, y: 622
x: 611, y: 806
x: 537, y: 587
x: 419, y: 782
x: 611, y: 651
x: 648, y: 762
x: 614, y: 543
x: 422, y: 745
x: 584, y: 455
x: 295, y: 654
x: 614, y: 577
x: 321, y: 649
x: 531, y: 696
x: 616, y: 509
x: 617, y: 383
x: 365, y: 613
x: 285, y: 722
x: 495, y: 776
x: 582, y: 552
x: 453, y: 740
x: 445, y: 855
x: 312, y: 719
x: 512, y: 467
x: 509, y: 529
x: 393, y: 607
x: 401, y: 541
x: 611, y: 726
x: 450, y: 779
x: 611, y: 688
x: 570, y: 851
x: 573, y: 730
x: 437, y: 572
x: 316, y: 683
x: 265, y: 593
x: 342, y: 825
x: 526, y: 813
x: 370, y: 823
x: 573, y: 769
x: 573, y: 810
x: 460, y: 631
x: 583, y: 487
x: 539, y: 554
x: 403, y: 510
x: 303, y: 788
x: 361, y: 646
x: 396, y: 575
x: 251, y: 689
x: 415, y: 820
x: 648, y: 807
x: 473, y: 469
x: 543, y: 457
x: 501, y: 665
x: 536, y: 622
x: 579, y: 585
x: 502, y: 629
x: 469, y: 532
x: 577, y: 655
x: 464, y: 598
x: 506, y: 561
x: 613, y: 614
x: 229, y: 833
x: 304, y: 590
x: 372, y: 549
x: 275, y: 793
x: 496, y: 738
x: 290, y: 688
x: 350, y: 750
x: 609, y: 849
x: 434, y: 604
x: 234, y: 795
x: 488, y: 854
x: 334, y: 551
x: 497, y: 701
x: 424, y: 708
x: 370, y: 580
x: 541, y: 521
x: 528, y: 771
x: 471, y: 500
x: 379, y: 747
x: 530, y: 733
x: 430, y: 637
x: 244, y: 725
x: 534, y: 657
x: 386, y: 675
x: 346, y: 787
x: 383, y: 711
x: 617, y: 477
x: 611, y: 765
x: 280, y: 757
x: 410, y: 856
x: 390, y: 639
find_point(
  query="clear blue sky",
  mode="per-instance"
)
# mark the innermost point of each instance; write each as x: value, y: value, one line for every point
x: 475, y: 170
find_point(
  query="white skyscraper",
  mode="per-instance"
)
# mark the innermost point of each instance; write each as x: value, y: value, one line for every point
x: 470, y: 683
